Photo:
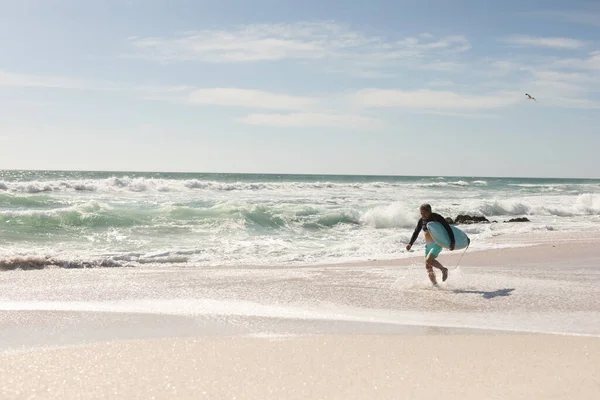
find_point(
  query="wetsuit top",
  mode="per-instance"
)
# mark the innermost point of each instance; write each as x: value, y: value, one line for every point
x: 422, y: 224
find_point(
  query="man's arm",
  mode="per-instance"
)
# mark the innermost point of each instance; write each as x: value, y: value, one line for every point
x: 442, y: 220
x: 415, y: 234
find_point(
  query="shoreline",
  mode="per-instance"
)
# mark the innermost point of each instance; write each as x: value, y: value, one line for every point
x: 505, y: 244
x: 547, y: 288
x: 85, y: 328
x: 587, y: 242
x: 513, y: 323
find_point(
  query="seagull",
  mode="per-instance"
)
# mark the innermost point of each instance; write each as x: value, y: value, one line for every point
x: 530, y: 98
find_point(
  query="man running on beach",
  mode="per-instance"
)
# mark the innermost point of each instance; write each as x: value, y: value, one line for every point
x: 432, y: 249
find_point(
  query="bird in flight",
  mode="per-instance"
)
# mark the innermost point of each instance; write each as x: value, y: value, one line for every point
x: 530, y: 97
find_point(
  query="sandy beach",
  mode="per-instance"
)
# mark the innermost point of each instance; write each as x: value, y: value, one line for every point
x: 518, y: 323
x: 321, y: 367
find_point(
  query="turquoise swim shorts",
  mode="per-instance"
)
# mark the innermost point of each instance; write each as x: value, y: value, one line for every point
x: 432, y: 249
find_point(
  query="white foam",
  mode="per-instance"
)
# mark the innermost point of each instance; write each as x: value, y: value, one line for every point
x: 129, y: 184
x: 395, y: 215
x: 266, y: 223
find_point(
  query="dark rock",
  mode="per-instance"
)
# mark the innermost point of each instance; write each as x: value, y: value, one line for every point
x: 471, y: 219
x: 450, y: 221
x: 522, y: 219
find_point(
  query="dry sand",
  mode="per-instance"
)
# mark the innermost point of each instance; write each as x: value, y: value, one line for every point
x: 317, y: 367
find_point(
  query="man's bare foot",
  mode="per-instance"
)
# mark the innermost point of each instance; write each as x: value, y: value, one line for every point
x: 444, y: 274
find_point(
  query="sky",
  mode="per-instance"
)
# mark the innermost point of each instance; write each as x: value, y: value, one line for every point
x: 315, y: 86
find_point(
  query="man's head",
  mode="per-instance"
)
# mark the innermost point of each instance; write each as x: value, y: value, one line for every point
x: 425, y: 210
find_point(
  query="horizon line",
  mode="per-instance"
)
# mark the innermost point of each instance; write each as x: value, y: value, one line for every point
x: 293, y: 174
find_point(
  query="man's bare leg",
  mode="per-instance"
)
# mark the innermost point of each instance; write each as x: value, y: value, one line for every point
x: 432, y: 262
x: 431, y: 274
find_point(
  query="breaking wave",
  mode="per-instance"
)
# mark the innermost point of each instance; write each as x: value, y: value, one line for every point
x: 580, y: 205
x: 139, y: 185
x: 95, y: 220
x: 34, y: 263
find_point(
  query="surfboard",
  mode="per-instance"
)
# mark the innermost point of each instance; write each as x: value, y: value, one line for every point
x: 440, y: 236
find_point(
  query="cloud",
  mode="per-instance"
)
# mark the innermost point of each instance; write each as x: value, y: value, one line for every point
x: 248, y: 98
x: 558, y: 43
x: 569, y: 102
x: 329, y: 120
x: 173, y: 94
x: 566, y: 81
x: 247, y: 43
x: 590, y: 63
x: 329, y: 42
x: 469, y: 115
x: 12, y: 79
x: 301, y: 110
x: 164, y: 89
x: 431, y: 100
x: 459, y: 84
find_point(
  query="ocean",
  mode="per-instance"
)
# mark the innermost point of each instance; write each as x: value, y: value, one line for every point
x: 131, y: 219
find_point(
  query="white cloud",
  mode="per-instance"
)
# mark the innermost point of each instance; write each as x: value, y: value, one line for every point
x: 549, y: 42
x: 326, y: 41
x: 295, y: 120
x: 570, y: 102
x: 173, y: 94
x: 250, y: 43
x: 591, y: 63
x: 476, y: 86
x: 164, y: 89
x: 567, y: 81
x: 470, y: 115
x: 248, y: 98
x: 431, y: 100
x: 12, y: 79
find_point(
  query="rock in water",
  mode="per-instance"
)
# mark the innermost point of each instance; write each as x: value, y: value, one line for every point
x: 522, y: 219
x: 471, y: 219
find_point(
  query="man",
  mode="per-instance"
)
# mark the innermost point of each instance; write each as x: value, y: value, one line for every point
x: 432, y: 249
